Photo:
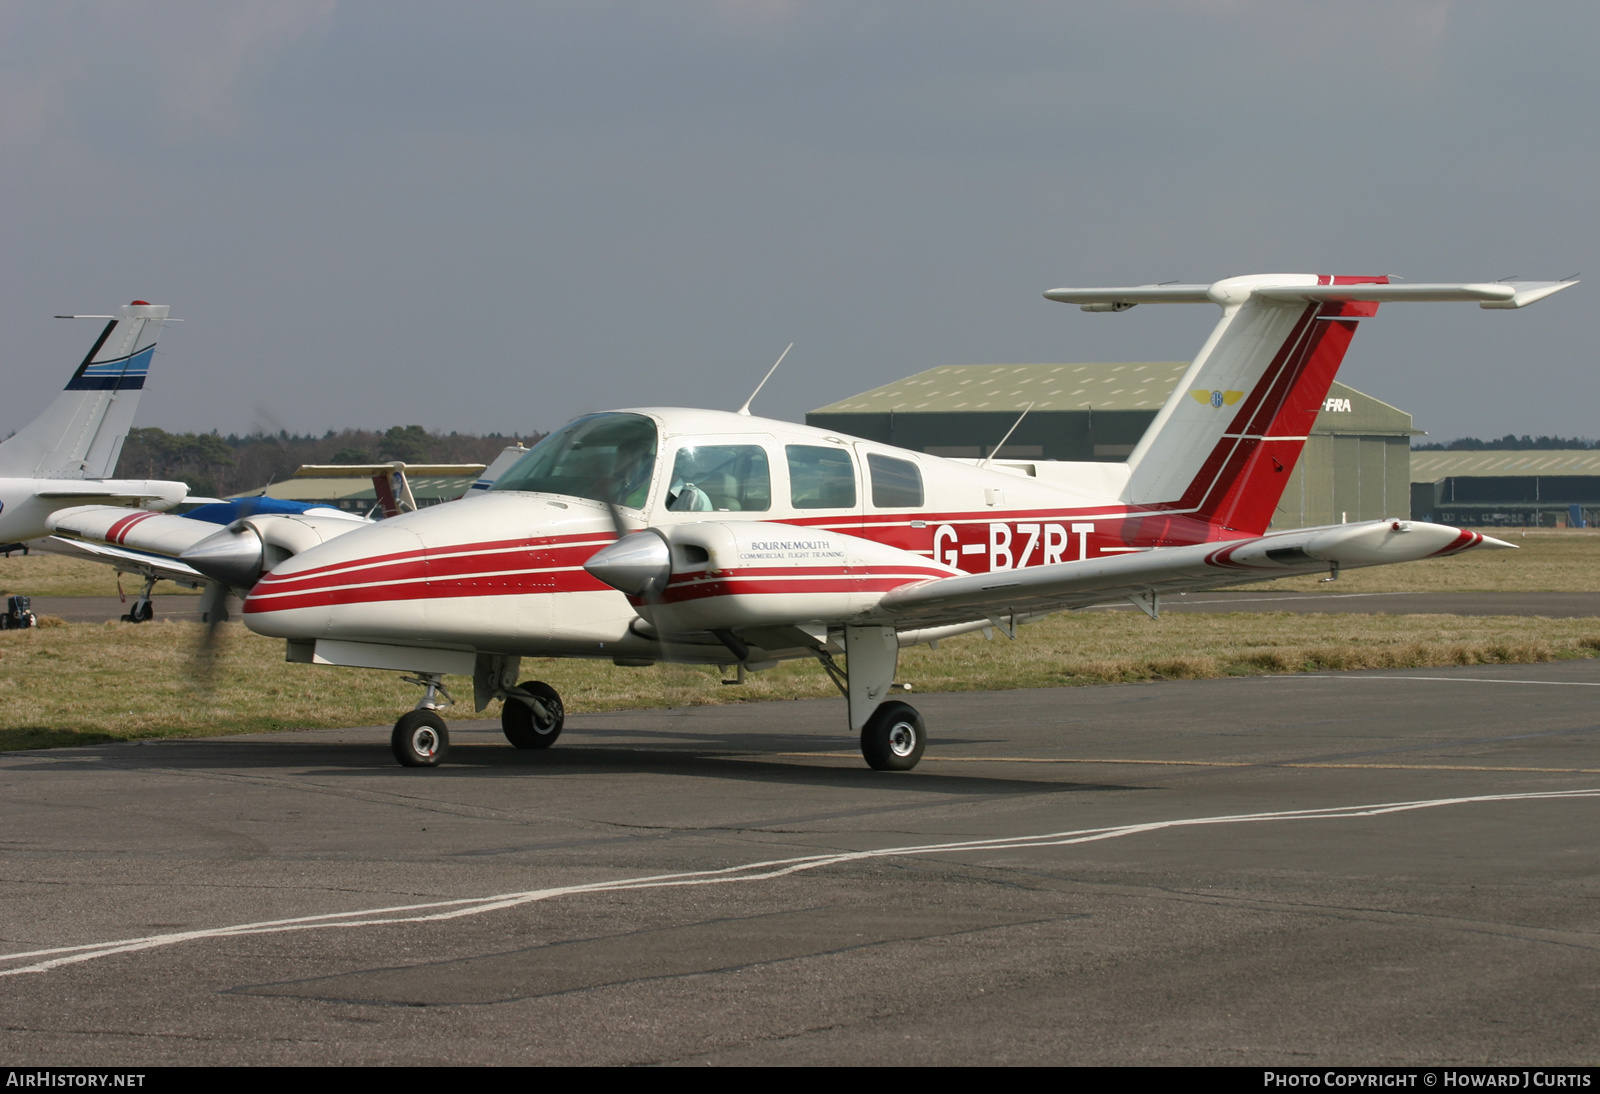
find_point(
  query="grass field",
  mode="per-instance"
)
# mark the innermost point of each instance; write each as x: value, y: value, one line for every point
x: 84, y: 684
x: 40, y: 574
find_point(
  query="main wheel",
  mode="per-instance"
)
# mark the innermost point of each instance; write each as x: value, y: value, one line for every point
x: 893, y: 737
x: 140, y: 613
x: 522, y: 728
x: 420, y: 739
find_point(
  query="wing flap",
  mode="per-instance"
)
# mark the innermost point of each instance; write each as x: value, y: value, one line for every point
x: 122, y: 558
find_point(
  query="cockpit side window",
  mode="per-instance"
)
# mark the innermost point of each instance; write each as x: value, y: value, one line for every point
x: 821, y: 478
x: 896, y: 484
x: 602, y: 457
x: 720, y: 478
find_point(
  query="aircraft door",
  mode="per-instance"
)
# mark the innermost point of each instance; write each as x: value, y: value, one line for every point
x: 895, y: 500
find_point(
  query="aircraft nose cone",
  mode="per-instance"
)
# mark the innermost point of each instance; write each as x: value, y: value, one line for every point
x: 637, y: 564
x: 232, y: 556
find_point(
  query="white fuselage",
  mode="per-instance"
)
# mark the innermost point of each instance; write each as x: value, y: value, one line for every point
x: 502, y: 571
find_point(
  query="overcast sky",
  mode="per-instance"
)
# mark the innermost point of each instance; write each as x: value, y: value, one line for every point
x: 486, y: 216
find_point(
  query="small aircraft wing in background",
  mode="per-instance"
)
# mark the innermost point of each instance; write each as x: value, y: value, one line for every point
x: 243, y: 533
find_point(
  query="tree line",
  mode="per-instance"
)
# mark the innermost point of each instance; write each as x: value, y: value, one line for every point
x: 215, y: 465
x: 1510, y: 440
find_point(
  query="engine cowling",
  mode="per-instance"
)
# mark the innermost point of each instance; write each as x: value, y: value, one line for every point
x: 723, y: 575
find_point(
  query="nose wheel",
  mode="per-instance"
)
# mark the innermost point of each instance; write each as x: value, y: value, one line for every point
x: 420, y: 739
x: 893, y: 737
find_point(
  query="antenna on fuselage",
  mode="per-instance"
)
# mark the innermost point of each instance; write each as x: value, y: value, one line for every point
x: 745, y: 410
x: 1007, y: 437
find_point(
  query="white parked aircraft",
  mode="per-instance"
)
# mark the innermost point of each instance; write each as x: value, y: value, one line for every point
x: 63, y: 456
x: 701, y: 536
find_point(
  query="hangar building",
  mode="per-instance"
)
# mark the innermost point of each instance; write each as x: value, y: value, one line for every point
x: 1508, y: 488
x: 1356, y: 466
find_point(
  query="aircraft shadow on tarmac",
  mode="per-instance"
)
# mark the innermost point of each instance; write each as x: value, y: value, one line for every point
x: 287, y: 759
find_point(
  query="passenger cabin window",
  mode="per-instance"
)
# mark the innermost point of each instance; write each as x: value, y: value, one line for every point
x: 896, y: 484
x: 720, y: 478
x: 821, y: 478
x: 601, y: 457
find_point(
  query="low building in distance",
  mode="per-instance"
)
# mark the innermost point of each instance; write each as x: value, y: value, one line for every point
x: 1356, y: 464
x: 1506, y: 487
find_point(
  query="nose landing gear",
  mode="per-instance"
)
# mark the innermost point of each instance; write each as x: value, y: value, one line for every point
x: 420, y: 739
x: 532, y: 717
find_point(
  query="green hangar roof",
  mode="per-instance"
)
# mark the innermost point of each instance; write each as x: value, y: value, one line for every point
x: 1081, y: 388
x: 1132, y: 386
x: 1503, y: 463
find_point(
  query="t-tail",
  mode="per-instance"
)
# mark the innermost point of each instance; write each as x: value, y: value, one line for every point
x: 1223, y: 446
x: 80, y: 435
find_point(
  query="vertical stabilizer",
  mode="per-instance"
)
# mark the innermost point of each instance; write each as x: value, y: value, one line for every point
x: 1225, y: 443
x: 1222, y: 447
x: 80, y: 435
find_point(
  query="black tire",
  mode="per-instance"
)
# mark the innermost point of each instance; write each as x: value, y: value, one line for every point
x: 893, y: 737
x: 140, y: 613
x: 420, y: 739
x: 521, y: 728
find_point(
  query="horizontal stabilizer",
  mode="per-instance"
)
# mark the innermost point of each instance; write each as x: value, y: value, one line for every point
x: 1304, y: 288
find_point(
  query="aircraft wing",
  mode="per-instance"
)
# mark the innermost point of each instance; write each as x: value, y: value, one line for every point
x: 123, y: 558
x: 1036, y: 590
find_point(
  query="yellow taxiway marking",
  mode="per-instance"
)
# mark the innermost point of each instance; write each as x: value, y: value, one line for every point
x: 1220, y: 763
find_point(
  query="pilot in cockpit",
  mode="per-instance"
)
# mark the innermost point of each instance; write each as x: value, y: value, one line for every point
x: 686, y: 497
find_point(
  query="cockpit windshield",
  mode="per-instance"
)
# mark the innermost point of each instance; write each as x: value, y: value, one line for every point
x: 602, y: 457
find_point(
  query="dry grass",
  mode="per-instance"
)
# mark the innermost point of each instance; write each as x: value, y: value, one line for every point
x: 80, y: 684
x: 40, y: 574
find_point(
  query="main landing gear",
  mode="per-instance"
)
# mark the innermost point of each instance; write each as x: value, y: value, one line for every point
x: 892, y: 733
x: 143, y: 610
x: 532, y: 718
x: 893, y: 737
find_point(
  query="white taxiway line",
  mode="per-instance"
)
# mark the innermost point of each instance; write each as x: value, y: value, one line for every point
x: 55, y: 957
x: 1455, y: 680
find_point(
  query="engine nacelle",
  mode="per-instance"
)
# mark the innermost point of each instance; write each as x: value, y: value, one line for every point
x: 723, y: 575
x: 241, y: 552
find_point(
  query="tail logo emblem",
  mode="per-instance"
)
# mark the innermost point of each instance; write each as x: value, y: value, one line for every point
x: 1216, y: 398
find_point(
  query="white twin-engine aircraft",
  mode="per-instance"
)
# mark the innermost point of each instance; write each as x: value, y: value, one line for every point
x: 719, y: 538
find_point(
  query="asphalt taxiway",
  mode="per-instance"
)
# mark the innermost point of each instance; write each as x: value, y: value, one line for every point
x: 1394, y: 867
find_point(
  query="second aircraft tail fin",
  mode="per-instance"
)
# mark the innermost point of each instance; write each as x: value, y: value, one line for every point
x: 80, y: 435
